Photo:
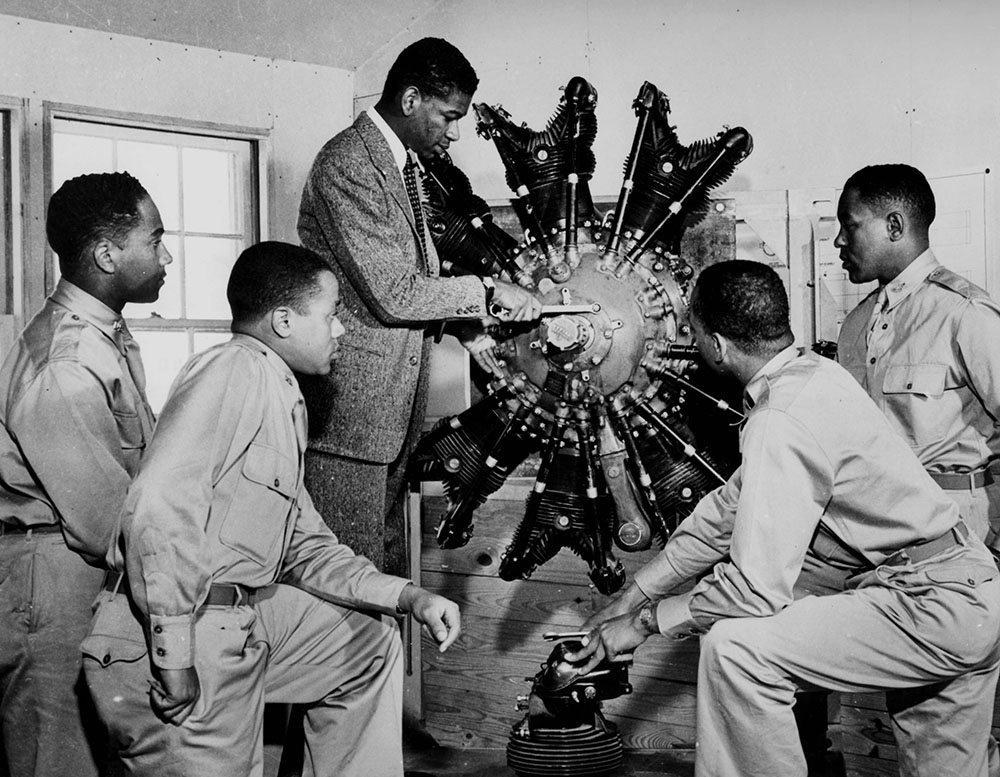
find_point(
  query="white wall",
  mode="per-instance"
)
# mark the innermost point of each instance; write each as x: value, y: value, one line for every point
x: 299, y: 105
x: 824, y: 87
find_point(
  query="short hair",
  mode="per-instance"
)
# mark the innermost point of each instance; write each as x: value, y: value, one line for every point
x: 883, y: 187
x: 90, y: 208
x: 745, y: 302
x: 434, y: 66
x: 271, y: 275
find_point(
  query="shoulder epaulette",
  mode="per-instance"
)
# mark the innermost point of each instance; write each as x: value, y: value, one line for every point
x: 952, y: 281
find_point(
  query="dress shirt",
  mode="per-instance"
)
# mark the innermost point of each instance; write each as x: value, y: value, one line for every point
x: 814, y: 448
x: 399, y: 152
x: 220, y: 499
x: 73, y: 425
x: 932, y: 364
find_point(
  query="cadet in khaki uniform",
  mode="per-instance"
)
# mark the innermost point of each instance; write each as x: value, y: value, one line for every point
x: 921, y: 616
x: 242, y: 592
x: 73, y: 423
x: 924, y: 344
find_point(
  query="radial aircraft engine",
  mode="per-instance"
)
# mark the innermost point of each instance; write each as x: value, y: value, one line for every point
x: 604, y: 388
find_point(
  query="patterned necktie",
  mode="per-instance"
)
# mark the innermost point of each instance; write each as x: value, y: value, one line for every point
x: 413, y: 194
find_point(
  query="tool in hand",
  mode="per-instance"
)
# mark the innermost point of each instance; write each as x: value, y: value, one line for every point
x: 550, y: 310
x: 552, y: 636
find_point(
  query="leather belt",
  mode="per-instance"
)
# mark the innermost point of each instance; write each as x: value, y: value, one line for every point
x: 956, y: 535
x: 955, y: 481
x: 219, y: 594
x: 38, y: 528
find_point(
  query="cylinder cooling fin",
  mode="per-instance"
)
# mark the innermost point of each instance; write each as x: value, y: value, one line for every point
x: 604, y: 389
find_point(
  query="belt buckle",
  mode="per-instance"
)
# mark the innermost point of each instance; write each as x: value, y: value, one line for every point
x: 113, y: 581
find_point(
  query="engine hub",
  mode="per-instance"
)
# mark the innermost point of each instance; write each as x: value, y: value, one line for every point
x: 600, y: 386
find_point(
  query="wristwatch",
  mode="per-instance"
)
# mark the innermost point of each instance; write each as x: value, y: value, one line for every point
x: 647, y: 617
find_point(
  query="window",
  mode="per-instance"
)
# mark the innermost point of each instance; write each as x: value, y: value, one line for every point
x: 205, y: 189
x: 6, y: 211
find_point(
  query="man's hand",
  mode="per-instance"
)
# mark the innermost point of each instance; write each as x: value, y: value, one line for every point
x: 520, y: 304
x: 173, y: 694
x: 610, y: 639
x: 632, y: 598
x: 441, y: 617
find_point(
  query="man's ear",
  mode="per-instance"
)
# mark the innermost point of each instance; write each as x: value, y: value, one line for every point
x: 103, y: 254
x: 895, y: 224
x: 281, y: 322
x: 409, y: 100
x: 720, y: 347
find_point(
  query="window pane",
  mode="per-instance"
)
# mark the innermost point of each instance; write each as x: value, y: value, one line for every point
x: 169, y: 303
x: 6, y: 215
x: 207, y: 263
x: 163, y: 355
x: 74, y: 155
x: 155, y: 165
x: 210, y: 191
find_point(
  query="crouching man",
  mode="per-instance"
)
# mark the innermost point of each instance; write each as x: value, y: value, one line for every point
x: 232, y: 591
x: 820, y: 466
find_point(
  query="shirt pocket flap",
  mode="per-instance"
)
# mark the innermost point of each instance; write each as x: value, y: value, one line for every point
x: 268, y: 467
x: 925, y: 379
x: 129, y: 429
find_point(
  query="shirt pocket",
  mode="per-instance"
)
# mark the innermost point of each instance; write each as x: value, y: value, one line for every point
x: 264, y: 492
x: 912, y: 394
x: 133, y: 441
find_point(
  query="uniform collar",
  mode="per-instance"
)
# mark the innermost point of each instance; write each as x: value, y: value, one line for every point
x: 915, y: 273
x: 271, y: 356
x: 87, y: 307
x: 760, y: 382
x: 396, y: 146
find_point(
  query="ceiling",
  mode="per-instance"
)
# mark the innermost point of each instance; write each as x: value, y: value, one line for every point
x: 336, y: 33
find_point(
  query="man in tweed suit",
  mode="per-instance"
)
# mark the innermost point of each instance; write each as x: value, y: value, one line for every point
x: 355, y: 212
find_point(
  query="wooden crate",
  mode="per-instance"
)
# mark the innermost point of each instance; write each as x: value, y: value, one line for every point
x: 469, y: 692
x: 864, y: 735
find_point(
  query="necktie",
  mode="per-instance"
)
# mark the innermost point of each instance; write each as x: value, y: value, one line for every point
x: 130, y: 348
x: 881, y: 303
x: 413, y: 194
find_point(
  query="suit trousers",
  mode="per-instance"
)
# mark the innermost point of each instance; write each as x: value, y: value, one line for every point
x: 363, y: 502
x: 46, y: 594
x: 928, y: 633
x: 286, y: 647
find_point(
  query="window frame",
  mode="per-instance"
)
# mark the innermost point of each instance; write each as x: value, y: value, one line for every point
x: 259, y: 140
x: 13, y: 115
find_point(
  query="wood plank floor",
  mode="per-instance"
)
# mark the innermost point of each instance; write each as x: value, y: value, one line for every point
x: 453, y: 762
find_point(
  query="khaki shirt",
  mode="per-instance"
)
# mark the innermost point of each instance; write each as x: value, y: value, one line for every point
x: 932, y: 364
x: 814, y: 448
x: 220, y: 499
x: 73, y: 424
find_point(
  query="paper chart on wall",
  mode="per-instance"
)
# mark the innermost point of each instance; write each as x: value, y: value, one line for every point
x: 958, y: 238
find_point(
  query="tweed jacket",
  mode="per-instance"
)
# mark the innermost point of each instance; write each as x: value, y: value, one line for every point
x: 355, y: 213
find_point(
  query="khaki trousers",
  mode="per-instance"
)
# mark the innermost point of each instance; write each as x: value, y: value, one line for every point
x: 287, y: 647
x: 46, y: 719
x: 974, y: 507
x: 928, y: 633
